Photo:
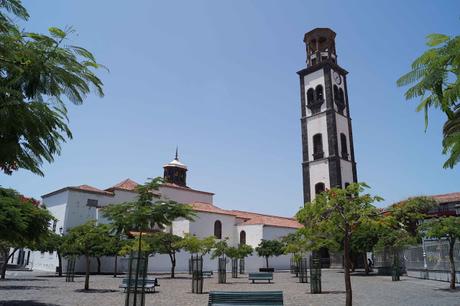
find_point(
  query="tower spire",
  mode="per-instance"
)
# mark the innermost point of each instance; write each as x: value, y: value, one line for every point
x: 177, y: 153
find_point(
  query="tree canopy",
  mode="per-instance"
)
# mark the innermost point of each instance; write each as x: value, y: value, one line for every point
x: 38, y: 74
x: 338, y: 213
x: 269, y: 248
x: 447, y: 228
x: 23, y: 223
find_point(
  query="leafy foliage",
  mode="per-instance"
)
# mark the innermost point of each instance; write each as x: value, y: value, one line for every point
x: 220, y: 249
x: 37, y: 72
x: 195, y: 245
x: 89, y: 240
x: 435, y: 79
x: 22, y: 223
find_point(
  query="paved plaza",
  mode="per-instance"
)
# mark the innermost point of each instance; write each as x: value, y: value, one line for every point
x: 39, y: 289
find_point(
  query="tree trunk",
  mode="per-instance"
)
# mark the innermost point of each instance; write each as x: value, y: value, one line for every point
x: 452, y: 263
x: 7, y: 258
x: 87, y: 272
x: 60, y: 264
x: 266, y: 261
x: 346, y: 257
x: 98, y: 265
x: 366, y: 264
x: 173, y: 264
x: 115, y: 268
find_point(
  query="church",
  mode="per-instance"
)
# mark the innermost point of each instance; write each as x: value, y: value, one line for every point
x: 327, y: 161
x: 75, y: 205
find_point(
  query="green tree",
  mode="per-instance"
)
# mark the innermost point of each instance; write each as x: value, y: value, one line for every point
x: 447, y: 228
x: 244, y: 251
x: 165, y: 243
x: 88, y: 240
x: 435, y: 79
x: 50, y: 243
x: 22, y: 223
x: 220, y: 249
x: 39, y: 72
x: 147, y: 212
x: 269, y: 248
x: 338, y: 213
x: 195, y: 245
x: 364, y: 239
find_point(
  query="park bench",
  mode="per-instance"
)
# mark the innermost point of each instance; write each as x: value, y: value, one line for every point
x: 260, y: 276
x: 149, y: 284
x: 208, y: 273
x: 253, y: 298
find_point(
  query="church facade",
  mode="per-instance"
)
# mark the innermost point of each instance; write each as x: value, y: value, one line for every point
x: 75, y: 205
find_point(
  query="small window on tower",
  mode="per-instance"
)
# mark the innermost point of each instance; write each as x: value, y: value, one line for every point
x: 319, y: 93
x: 343, y: 144
x: 318, y: 146
x: 319, y: 187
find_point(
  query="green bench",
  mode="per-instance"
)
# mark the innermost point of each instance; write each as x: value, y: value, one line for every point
x: 253, y: 298
x: 260, y: 276
x: 208, y: 273
x: 149, y: 284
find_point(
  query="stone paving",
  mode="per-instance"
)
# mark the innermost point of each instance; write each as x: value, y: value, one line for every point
x: 40, y: 289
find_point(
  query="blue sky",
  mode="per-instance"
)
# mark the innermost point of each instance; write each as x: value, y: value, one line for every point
x: 218, y: 78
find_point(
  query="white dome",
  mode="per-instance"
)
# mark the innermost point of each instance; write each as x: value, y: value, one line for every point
x: 176, y: 163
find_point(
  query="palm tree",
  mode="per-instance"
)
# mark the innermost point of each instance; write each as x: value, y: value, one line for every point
x: 435, y: 79
x: 451, y: 141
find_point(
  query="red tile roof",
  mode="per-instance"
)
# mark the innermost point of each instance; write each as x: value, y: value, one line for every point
x: 207, y: 207
x: 127, y: 184
x: 249, y: 217
x: 255, y: 218
x: 447, y: 198
x: 82, y: 188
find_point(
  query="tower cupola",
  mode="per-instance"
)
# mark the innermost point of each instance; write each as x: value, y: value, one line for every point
x: 175, y: 172
x: 320, y: 44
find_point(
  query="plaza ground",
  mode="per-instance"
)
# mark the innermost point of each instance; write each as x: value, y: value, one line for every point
x: 39, y: 289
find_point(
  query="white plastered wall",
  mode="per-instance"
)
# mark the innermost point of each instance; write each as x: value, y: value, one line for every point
x: 319, y: 172
x: 315, y: 125
x: 185, y: 196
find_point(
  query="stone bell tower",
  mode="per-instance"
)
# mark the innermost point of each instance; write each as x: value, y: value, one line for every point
x: 328, y: 158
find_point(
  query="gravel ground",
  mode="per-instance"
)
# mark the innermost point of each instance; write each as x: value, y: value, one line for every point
x: 39, y: 289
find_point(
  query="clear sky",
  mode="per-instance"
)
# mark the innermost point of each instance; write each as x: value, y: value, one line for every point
x: 218, y: 78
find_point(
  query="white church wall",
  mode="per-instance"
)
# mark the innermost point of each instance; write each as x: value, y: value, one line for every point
x: 254, y: 233
x: 311, y: 81
x: 319, y: 172
x: 77, y: 210
x: 315, y: 125
x: 203, y: 226
x: 43, y: 261
x: 180, y: 227
x: 185, y: 196
x: 275, y: 233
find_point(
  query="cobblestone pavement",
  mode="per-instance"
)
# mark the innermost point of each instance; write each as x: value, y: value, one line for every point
x: 40, y: 289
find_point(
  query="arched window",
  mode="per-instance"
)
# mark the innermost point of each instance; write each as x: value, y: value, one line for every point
x: 318, y: 146
x: 319, y: 187
x: 310, y: 96
x: 218, y: 229
x: 343, y: 144
x: 336, y: 92
x: 242, y: 237
x: 319, y: 93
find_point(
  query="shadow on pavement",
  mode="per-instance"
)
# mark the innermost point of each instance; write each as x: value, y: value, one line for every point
x: 96, y: 290
x: 25, y: 303
x: 23, y: 288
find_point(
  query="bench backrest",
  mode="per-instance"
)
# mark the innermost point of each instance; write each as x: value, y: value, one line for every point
x: 261, y: 275
x: 246, y: 297
x: 140, y: 281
